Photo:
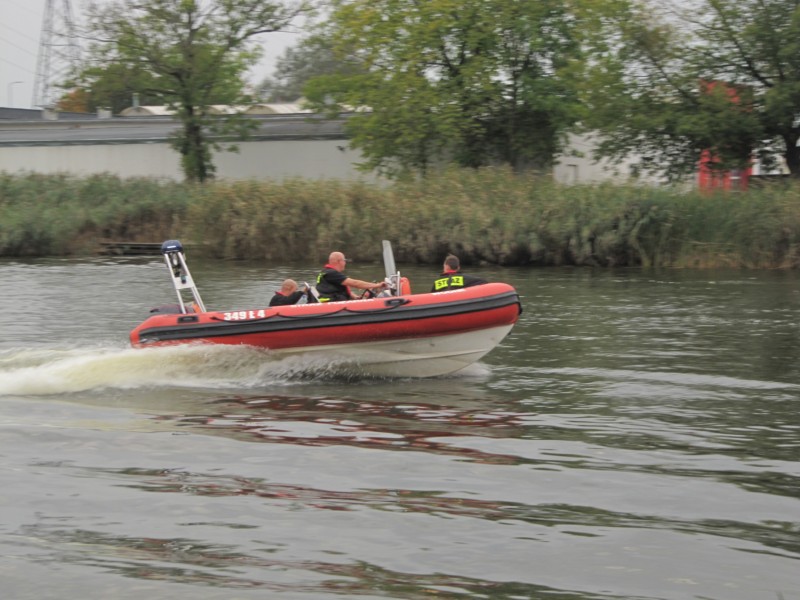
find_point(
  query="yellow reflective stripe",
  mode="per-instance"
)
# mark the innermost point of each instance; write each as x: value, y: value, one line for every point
x: 446, y: 282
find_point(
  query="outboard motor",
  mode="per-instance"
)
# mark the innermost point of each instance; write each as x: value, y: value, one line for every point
x: 172, y: 250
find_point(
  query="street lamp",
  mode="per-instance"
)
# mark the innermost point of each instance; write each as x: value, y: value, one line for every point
x: 10, y: 89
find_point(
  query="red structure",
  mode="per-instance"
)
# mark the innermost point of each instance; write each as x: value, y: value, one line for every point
x: 709, y: 177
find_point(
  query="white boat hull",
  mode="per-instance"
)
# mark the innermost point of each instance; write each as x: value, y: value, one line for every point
x: 414, y: 357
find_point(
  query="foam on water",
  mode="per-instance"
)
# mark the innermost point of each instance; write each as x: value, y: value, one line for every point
x: 53, y: 371
x: 69, y: 370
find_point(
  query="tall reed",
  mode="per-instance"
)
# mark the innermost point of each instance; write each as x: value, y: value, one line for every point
x: 60, y: 214
x: 487, y: 215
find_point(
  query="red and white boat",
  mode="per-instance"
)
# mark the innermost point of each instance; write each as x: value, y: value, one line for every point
x: 399, y: 335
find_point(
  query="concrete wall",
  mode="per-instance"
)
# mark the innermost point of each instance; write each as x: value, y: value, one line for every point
x: 320, y: 159
x: 576, y: 165
x: 282, y: 146
x: 314, y: 159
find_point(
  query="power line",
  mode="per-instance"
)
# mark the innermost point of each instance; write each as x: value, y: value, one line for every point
x: 13, y: 64
x: 17, y: 46
x: 18, y: 32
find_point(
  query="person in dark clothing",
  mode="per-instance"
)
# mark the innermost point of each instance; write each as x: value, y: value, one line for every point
x: 288, y: 294
x: 452, y: 278
x: 333, y: 285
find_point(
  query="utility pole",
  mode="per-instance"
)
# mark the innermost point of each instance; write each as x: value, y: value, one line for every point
x: 59, y: 53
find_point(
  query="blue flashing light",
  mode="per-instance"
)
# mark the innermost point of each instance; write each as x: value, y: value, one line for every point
x: 171, y: 246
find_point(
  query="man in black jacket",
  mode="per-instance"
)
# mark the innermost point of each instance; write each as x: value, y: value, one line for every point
x: 288, y: 294
x: 452, y: 278
x: 333, y: 285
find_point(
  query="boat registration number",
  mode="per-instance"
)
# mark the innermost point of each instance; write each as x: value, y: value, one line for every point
x: 244, y: 315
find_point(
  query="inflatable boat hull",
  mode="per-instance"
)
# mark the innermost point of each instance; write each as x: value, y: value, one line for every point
x: 417, y: 335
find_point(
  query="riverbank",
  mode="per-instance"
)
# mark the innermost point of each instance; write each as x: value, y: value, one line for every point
x: 488, y: 216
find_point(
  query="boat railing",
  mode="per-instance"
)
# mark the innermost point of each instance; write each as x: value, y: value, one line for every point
x: 182, y: 281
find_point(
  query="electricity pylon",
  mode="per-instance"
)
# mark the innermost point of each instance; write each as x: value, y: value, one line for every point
x: 59, y: 53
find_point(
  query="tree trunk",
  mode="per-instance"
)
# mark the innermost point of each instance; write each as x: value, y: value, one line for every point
x: 792, y: 155
x: 194, y: 149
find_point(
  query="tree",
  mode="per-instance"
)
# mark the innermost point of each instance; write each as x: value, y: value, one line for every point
x: 312, y: 57
x: 190, y: 53
x: 723, y: 78
x: 473, y: 81
x: 75, y: 101
x: 113, y: 86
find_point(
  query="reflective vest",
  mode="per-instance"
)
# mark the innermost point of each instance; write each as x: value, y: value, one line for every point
x: 449, y: 282
x: 329, y: 292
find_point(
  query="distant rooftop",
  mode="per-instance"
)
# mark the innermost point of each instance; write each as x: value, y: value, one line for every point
x: 290, y: 108
x: 259, y: 108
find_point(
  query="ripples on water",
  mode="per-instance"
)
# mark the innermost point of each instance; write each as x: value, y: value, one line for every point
x: 632, y: 438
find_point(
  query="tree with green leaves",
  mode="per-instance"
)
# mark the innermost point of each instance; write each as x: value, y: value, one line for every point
x: 475, y: 82
x: 311, y: 57
x: 191, y: 54
x: 114, y: 86
x: 720, y: 76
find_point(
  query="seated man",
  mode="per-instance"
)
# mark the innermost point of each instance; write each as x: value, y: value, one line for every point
x: 288, y: 294
x: 333, y: 285
x: 452, y: 278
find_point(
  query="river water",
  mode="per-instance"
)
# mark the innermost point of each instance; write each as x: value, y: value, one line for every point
x: 636, y: 436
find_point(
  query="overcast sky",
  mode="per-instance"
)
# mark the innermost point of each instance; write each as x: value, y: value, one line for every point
x: 20, y: 29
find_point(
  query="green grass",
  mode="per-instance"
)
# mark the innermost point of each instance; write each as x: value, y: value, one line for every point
x: 489, y: 215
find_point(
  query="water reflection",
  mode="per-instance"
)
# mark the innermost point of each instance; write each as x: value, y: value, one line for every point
x: 636, y: 436
x: 190, y: 562
x: 324, y: 421
x: 752, y: 451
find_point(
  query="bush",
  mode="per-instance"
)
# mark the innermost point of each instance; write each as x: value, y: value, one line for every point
x: 485, y: 216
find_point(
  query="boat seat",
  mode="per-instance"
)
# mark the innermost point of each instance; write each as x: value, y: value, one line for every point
x: 167, y: 309
x: 175, y: 309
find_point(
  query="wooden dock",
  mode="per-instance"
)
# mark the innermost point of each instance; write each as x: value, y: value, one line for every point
x: 130, y: 248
